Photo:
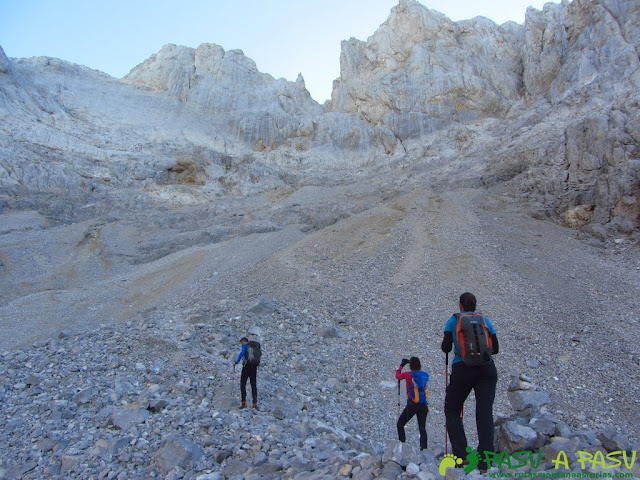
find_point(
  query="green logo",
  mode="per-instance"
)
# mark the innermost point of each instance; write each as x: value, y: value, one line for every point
x: 451, y: 461
x: 597, y: 461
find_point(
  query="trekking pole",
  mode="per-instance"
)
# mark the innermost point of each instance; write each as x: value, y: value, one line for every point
x: 233, y: 377
x: 446, y: 383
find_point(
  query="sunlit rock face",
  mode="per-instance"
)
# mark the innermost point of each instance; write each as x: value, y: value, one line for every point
x: 546, y: 112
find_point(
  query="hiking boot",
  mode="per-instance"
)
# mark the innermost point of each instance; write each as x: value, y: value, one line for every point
x: 255, y: 405
x: 243, y: 405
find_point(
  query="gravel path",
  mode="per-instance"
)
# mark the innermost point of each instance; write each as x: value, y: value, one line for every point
x: 391, y: 276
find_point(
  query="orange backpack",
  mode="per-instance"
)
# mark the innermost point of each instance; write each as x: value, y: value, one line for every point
x: 418, y: 389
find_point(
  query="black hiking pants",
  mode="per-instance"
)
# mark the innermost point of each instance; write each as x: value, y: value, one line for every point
x: 249, y: 372
x: 483, y: 381
x: 420, y: 410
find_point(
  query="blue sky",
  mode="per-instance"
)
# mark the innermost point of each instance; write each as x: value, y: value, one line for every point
x: 284, y: 38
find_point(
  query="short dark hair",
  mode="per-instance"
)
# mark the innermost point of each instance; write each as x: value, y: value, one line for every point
x: 414, y: 364
x: 468, y: 302
x: 244, y: 339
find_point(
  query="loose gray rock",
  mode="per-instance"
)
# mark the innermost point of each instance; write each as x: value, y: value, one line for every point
x: 614, y: 441
x: 514, y: 437
x: 83, y: 397
x: 264, y: 306
x: 126, y: 418
x: 177, y: 452
x: 401, y: 453
x: 521, y: 400
x: 559, y: 444
x: 543, y: 426
x: 107, y: 448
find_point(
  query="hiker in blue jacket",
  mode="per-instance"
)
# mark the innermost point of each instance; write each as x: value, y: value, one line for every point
x: 481, y: 378
x: 417, y: 396
x: 249, y: 372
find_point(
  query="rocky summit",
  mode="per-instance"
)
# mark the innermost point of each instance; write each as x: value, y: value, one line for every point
x: 148, y: 223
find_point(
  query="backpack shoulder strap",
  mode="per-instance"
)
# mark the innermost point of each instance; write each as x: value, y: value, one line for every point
x: 415, y: 394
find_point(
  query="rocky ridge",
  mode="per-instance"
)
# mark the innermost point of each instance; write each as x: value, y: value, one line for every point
x: 546, y: 112
x: 570, y: 71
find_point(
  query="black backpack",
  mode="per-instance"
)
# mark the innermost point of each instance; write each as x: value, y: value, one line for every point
x: 254, y: 353
x: 474, y: 339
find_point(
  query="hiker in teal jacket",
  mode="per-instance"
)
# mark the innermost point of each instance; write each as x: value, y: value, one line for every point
x: 482, y: 379
x: 417, y: 395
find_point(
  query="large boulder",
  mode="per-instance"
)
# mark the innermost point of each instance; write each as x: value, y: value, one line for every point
x: 176, y: 452
x: 513, y: 437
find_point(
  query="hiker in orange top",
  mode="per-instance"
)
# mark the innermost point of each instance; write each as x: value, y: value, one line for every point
x: 417, y: 395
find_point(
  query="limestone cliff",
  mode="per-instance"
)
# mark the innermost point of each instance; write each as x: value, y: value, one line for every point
x: 265, y: 111
x: 547, y: 112
x: 564, y: 87
x: 420, y: 71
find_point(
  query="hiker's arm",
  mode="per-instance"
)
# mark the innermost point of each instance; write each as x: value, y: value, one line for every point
x: 449, y: 328
x: 447, y: 342
x: 241, y: 354
x: 494, y: 337
x: 399, y: 370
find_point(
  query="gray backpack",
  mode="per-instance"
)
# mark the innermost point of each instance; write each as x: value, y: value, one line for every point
x: 474, y: 339
x: 254, y: 353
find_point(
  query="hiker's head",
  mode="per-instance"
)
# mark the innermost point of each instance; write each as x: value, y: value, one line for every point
x: 244, y: 340
x: 414, y: 364
x: 467, y: 302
